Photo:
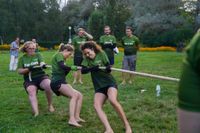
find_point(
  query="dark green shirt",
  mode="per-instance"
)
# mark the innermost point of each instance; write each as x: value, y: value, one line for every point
x: 110, y: 40
x: 76, y: 42
x: 189, y: 87
x: 57, y: 72
x: 130, y: 45
x: 100, y: 78
x: 26, y: 61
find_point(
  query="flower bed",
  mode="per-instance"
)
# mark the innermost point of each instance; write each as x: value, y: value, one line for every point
x: 162, y: 48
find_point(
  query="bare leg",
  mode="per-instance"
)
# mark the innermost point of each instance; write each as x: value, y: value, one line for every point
x: 75, y: 77
x: 130, y: 78
x: 112, y: 97
x: 45, y: 84
x: 78, y: 105
x: 32, y: 91
x: 66, y: 90
x: 124, y: 78
x: 79, y: 77
x: 99, y: 100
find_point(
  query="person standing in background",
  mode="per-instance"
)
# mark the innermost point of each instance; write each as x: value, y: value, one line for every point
x: 131, y: 46
x: 81, y: 38
x: 37, y: 46
x: 14, y: 52
x: 108, y: 43
x: 189, y: 89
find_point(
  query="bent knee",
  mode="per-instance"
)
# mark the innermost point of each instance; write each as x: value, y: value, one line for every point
x: 32, y: 91
x: 75, y: 95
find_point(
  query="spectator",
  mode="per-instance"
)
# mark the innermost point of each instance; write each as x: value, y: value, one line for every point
x: 14, y: 52
x: 131, y: 45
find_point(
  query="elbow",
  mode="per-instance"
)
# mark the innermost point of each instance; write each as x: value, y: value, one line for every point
x: 19, y: 72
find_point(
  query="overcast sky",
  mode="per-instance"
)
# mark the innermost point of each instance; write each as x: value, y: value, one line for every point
x: 63, y: 2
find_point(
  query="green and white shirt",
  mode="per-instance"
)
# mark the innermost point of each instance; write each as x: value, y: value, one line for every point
x: 130, y: 45
x: 100, y: 78
x: 77, y: 41
x: 189, y: 86
x: 26, y: 61
x: 57, y: 72
x: 108, y: 40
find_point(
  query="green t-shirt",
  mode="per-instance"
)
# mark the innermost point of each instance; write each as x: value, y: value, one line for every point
x: 26, y: 61
x: 100, y: 78
x: 130, y: 45
x: 108, y: 40
x: 57, y: 72
x: 189, y: 86
x: 76, y: 42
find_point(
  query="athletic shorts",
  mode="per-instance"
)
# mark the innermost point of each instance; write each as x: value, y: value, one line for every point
x: 104, y: 90
x: 36, y: 82
x: 129, y: 63
x: 55, y: 86
x: 111, y: 59
x: 78, y: 60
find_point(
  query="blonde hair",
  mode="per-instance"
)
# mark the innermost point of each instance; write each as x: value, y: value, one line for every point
x: 26, y: 45
x: 67, y: 47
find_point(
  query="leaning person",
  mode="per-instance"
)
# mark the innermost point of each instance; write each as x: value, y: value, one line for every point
x: 31, y: 66
x: 104, y: 84
x: 61, y: 87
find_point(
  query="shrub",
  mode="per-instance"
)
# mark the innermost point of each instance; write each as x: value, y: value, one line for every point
x: 161, y: 48
x: 5, y: 47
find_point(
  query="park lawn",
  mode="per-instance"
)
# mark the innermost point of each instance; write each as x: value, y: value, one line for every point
x: 145, y: 111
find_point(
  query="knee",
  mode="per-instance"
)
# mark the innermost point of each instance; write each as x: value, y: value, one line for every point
x: 80, y: 96
x: 74, y: 95
x: 32, y: 92
x: 97, y: 106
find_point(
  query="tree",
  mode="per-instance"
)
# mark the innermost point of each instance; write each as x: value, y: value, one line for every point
x: 96, y: 24
x: 159, y: 23
x: 192, y: 7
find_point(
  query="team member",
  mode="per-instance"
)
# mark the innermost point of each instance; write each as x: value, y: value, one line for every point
x: 108, y: 43
x: 131, y: 45
x: 82, y: 37
x: 61, y: 87
x: 189, y: 89
x: 34, y: 78
x: 104, y: 84
x: 14, y: 52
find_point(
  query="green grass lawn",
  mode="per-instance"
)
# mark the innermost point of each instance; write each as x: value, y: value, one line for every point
x: 145, y: 112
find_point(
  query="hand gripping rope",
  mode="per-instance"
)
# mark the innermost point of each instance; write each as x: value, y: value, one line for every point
x: 29, y: 74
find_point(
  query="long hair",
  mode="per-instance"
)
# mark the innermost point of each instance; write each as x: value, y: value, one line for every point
x: 91, y: 45
x: 67, y: 47
x: 26, y: 45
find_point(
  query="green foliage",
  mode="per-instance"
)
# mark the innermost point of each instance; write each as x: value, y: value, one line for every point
x: 96, y: 24
x: 160, y: 23
x: 30, y: 19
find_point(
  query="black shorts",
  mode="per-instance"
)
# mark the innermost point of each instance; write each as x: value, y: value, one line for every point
x: 104, y: 90
x: 78, y: 60
x: 55, y: 86
x: 36, y: 82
